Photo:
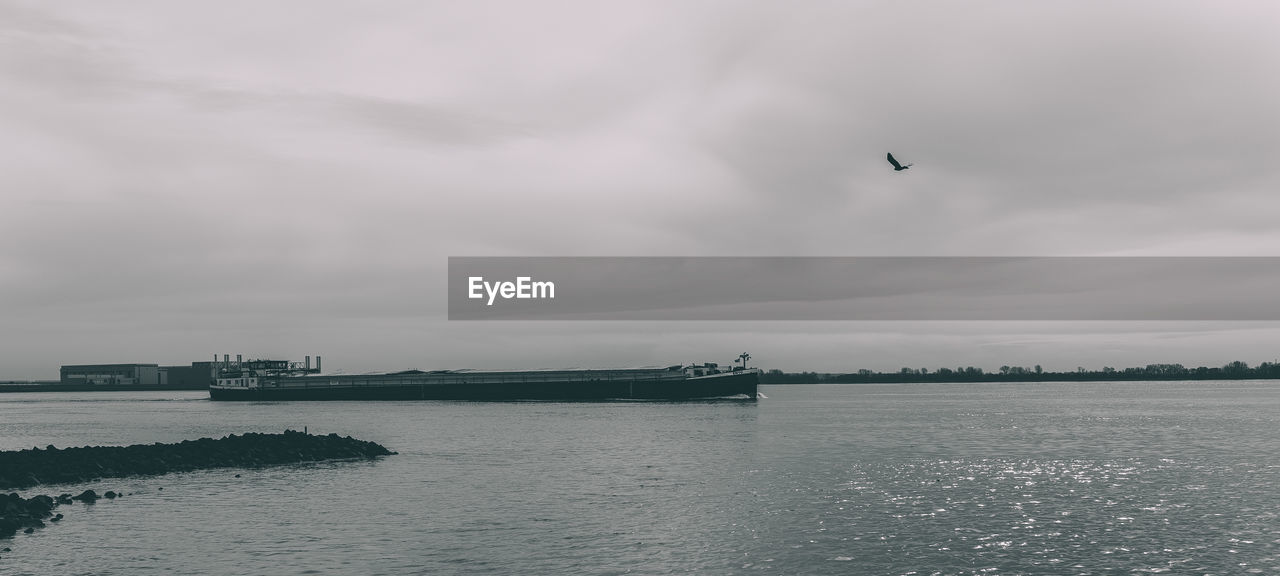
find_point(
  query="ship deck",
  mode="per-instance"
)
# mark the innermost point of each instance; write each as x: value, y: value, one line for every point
x: 494, y: 385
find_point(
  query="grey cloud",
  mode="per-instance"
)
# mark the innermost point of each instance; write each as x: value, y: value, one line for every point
x: 50, y: 54
x: 178, y: 176
x: 340, y: 115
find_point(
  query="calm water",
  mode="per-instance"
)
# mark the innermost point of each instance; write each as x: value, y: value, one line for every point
x: 1092, y: 478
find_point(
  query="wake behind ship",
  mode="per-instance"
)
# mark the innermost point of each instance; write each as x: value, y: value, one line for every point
x: 285, y: 380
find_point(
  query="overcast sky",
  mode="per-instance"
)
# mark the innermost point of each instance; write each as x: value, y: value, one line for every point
x: 289, y: 178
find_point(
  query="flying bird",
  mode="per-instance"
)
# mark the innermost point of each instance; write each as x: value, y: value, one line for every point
x: 896, y: 166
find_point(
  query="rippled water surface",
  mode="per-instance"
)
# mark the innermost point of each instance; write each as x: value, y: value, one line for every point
x: 1080, y: 478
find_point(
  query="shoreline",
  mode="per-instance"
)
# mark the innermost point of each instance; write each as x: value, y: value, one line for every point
x: 59, y: 387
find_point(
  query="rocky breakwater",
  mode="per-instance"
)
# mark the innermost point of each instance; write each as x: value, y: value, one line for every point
x: 25, y: 468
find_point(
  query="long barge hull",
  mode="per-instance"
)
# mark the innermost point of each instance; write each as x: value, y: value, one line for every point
x: 738, y: 384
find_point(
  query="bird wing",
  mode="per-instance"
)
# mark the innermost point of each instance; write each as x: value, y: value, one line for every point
x: 895, y: 163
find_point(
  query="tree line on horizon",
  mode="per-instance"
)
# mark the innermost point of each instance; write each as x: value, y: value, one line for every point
x: 1233, y: 371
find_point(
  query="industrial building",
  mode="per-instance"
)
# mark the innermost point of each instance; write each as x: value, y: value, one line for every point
x: 197, y: 376
x: 113, y: 374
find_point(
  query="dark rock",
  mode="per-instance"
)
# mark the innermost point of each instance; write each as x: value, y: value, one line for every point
x: 88, y: 496
x: 39, y: 506
x: 110, y: 495
x: 56, y: 518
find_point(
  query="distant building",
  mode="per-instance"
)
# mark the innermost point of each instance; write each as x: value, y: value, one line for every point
x: 113, y: 374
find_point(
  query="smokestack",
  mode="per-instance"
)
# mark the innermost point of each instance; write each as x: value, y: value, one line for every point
x: 226, y: 359
x: 237, y: 359
x: 308, y: 365
x: 317, y: 363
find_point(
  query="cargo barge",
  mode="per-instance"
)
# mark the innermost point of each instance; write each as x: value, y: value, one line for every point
x: 284, y: 380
